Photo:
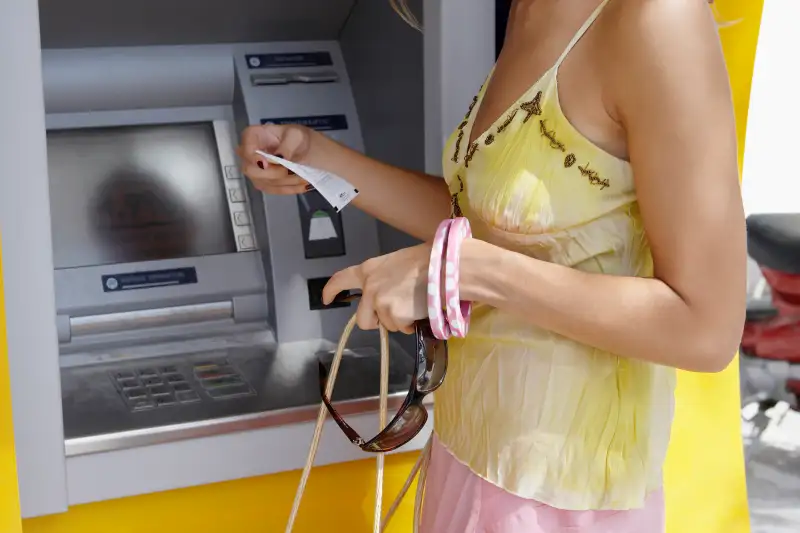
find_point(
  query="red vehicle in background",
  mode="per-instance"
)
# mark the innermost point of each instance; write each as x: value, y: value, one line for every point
x: 770, y: 347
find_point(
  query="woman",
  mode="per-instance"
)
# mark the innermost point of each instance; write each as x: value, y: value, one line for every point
x: 598, y: 169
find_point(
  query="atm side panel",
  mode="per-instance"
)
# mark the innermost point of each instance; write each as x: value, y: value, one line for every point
x: 28, y: 266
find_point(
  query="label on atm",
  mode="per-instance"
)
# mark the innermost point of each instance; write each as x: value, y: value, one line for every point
x: 335, y: 189
x: 149, y: 279
x: 318, y: 122
x: 286, y: 60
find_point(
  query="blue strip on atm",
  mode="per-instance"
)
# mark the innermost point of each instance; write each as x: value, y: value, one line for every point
x: 150, y: 279
x: 296, y: 60
x: 319, y: 122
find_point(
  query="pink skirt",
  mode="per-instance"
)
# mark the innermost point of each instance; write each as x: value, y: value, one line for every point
x: 458, y: 501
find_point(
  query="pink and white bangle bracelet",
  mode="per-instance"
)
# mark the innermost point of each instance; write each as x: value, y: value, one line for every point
x: 439, y: 326
x: 458, y: 311
x: 451, y: 317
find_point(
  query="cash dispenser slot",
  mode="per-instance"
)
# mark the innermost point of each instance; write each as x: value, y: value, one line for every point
x: 285, y: 78
x: 150, y: 318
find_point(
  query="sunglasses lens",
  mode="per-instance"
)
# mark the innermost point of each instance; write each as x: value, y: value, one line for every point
x: 431, y: 374
x: 401, y: 431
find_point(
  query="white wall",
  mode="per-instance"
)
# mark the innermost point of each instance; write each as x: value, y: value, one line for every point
x: 459, y: 53
x: 771, y: 173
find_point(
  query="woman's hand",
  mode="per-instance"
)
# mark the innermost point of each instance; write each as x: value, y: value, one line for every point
x: 291, y: 142
x: 394, y: 288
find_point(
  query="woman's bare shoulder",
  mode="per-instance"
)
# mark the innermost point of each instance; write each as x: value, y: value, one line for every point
x: 643, y: 25
x: 667, y: 46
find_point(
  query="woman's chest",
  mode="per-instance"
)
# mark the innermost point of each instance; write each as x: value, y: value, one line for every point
x: 531, y: 173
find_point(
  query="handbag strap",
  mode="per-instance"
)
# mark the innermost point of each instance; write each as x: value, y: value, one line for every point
x: 322, y: 414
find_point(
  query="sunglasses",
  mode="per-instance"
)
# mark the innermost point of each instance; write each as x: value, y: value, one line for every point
x: 430, y: 367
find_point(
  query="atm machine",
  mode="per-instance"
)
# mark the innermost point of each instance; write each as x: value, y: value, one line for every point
x: 163, y: 317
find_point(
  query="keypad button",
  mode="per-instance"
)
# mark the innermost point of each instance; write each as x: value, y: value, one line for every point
x: 232, y: 173
x: 124, y: 375
x: 148, y: 372
x: 136, y: 394
x: 219, y: 372
x: 175, y: 378
x: 165, y: 400
x: 160, y: 390
x: 230, y: 392
x: 152, y: 382
x: 168, y: 369
x: 142, y: 405
x: 189, y: 396
x: 246, y: 242
x: 130, y: 384
x: 181, y: 387
x: 226, y: 381
x: 236, y: 195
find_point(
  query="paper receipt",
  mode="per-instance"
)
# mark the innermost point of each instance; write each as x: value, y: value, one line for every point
x: 335, y: 189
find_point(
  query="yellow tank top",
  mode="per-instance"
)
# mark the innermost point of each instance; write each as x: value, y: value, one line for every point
x: 538, y: 414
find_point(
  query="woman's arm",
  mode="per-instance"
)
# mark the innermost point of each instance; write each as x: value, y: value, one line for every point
x: 412, y: 202
x: 669, y: 88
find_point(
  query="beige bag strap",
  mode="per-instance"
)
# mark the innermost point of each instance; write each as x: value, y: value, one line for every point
x: 422, y: 462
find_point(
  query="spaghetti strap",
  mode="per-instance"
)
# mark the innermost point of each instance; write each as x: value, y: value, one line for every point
x: 581, y: 32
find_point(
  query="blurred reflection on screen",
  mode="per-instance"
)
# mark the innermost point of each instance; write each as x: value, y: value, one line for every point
x: 139, y: 193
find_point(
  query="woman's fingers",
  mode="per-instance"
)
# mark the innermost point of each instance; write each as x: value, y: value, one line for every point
x: 347, y: 279
x: 264, y: 138
x: 293, y: 143
x: 283, y: 141
x: 385, y: 314
x: 365, y: 315
x: 375, y: 306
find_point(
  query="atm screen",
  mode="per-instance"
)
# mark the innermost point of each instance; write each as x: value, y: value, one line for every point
x: 136, y: 193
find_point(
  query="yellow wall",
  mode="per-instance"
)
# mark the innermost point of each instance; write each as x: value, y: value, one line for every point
x: 705, y: 479
x: 338, y: 499
x: 704, y: 474
x: 9, y: 499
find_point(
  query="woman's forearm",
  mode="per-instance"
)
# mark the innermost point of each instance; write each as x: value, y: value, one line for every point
x: 637, y: 318
x: 412, y: 202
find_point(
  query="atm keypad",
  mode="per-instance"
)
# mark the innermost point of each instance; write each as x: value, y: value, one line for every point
x: 155, y: 387
x: 148, y: 388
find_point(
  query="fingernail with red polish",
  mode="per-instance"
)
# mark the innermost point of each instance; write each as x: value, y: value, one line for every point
x: 260, y: 165
x: 309, y: 188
